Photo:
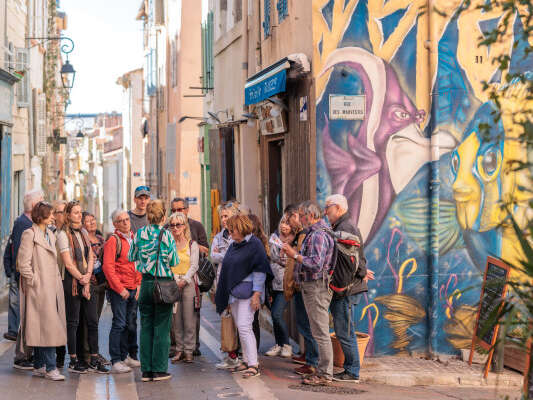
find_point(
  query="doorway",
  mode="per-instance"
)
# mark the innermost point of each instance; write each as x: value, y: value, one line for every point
x: 275, y: 184
x: 228, y: 163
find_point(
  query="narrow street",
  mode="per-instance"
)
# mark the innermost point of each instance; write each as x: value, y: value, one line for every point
x: 201, y: 380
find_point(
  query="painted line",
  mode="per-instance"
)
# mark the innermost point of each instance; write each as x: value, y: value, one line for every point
x: 93, y: 386
x: 254, y: 388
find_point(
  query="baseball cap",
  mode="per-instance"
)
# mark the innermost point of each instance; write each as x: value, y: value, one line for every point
x: 140, y: 190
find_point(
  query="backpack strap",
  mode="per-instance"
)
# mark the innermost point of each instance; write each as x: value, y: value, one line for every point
x: 118, y: 246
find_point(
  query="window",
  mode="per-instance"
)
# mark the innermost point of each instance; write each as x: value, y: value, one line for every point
x: 266, y: 21
x: 40, y: 126
x: 23, y: 85
x: 150, y: 69
x: 207, y: 54
x: 237, y: 11
x: 283, y: 10
x: 173, y: 63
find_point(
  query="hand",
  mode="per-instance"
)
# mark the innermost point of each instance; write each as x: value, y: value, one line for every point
x: 182, y: 283
x: 289, y: 250
x: 256, y: 301
x: 369, y: 275
x: 125, y: 294
x: 137, y: 293
x: 85, y: 279
x: 203, y: 249
x: 86, y: 292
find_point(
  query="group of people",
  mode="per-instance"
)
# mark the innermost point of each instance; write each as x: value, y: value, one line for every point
x: 296, y: 262
x: 61, y: 271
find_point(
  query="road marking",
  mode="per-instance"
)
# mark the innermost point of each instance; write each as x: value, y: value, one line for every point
x: 93, y: 386
x: 254, y: 388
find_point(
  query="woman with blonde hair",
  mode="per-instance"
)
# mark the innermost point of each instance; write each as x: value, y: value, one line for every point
x: 42, y: 300
x: 154, y: 251
x: 241, y: 286
x: 184, y: 318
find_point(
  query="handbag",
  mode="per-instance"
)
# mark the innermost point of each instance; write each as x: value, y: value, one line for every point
x: 206, y: 275
x: 243, y: 290
x: 228, y: 333
x: 165, y: 291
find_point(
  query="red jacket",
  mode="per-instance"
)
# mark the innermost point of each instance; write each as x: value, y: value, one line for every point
x: 121, y: 273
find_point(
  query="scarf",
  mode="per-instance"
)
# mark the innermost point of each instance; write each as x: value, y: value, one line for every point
x: 240, y: 260
x: 77, y: 253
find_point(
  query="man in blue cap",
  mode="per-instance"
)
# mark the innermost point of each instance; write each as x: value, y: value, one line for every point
x: 138, y: 217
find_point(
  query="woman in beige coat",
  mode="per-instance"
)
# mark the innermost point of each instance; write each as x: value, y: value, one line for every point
x: 42, y: 307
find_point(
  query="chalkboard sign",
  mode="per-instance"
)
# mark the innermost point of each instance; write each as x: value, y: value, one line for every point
x: 494, y: 289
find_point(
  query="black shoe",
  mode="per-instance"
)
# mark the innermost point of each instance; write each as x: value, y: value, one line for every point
x: 103, y: 360
x: 160, y: 376
x: 345, y: 377
x: 23, y: 364
x: 95, y: 365
x: 77, y: 367
x: 11, y: 337
x: 197, y: 353
x: 60, y: 363
x: 147, y: 376
x: 172, y: 353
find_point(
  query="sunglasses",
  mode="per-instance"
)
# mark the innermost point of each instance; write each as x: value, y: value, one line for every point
x: 175, y: 225
x: 181, y: 209
x: 142, y: 188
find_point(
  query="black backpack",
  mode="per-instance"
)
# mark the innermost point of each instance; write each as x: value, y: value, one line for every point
x: 99, y: 272
x: 206, y: 274
x: 343, y: 274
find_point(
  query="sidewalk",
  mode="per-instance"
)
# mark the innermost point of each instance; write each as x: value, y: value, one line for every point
x: 411, y: 371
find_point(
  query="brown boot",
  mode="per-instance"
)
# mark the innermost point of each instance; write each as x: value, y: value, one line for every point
x: 178, y: 357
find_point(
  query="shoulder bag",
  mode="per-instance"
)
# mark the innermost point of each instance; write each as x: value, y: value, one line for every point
x: 165, y: 291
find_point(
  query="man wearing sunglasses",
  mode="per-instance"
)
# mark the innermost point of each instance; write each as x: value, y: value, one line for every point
x: 138, y: 217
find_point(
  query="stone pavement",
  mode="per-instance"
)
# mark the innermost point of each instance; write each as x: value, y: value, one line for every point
x: 201, y: 380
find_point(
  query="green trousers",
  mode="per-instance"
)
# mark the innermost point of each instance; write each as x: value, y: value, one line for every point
x: 156, y: 320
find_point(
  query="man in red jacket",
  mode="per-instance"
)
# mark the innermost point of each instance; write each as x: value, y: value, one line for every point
x: 124, y: 282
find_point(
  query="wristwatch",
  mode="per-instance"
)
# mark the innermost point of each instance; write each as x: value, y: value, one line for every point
x: 295, y: 256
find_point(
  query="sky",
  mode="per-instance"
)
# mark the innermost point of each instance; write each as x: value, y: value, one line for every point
x: 108, y: 43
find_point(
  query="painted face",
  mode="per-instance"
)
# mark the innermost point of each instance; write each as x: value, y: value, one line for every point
x: 476, y: 166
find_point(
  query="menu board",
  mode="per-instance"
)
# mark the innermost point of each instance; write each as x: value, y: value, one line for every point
x: 494, y: 289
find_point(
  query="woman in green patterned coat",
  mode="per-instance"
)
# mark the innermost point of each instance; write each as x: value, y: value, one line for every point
x: 155, y: 318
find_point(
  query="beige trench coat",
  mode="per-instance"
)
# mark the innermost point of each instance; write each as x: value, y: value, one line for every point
x: 42, y: 300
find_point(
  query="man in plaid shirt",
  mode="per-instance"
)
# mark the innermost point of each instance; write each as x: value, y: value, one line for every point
x: 314, y: 261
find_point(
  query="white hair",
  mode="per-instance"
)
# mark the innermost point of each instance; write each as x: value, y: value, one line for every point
x: 311, y: 208
x: 339, y: 200
x: 117, y: 213
x: 31, y: 198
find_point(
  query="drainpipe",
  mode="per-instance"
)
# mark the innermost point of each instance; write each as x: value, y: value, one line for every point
x: 434, y: 190
x: 244, y: 43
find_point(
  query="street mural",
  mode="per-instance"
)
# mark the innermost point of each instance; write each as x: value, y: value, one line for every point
x: 399, y: 133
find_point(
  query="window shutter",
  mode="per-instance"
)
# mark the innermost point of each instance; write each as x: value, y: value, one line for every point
x: 266, y: 21
x: 171, y: 148
x: 23, y: 86
x: 283, y: 11
x: 41, y: 124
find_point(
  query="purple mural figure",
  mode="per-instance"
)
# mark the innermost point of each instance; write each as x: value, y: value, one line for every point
x: 389, y: 148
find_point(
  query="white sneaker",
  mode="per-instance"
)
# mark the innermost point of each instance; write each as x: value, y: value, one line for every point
x: 41, y: 372
x: 274, y: 351
x: 286, y: 351
x: 228, y: 363
x: 120, y: 368
x: 131, y: 362
x: 54, y: 375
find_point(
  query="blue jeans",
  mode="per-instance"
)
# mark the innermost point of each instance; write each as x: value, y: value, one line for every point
x: 302, y: 323
x: 13, y: 314
x: 278, y: 322
x: 44, y: 357
x: 123, y: 326
x: 342, y: 313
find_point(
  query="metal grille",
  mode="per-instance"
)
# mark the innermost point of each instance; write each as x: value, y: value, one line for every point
x: 283, y: 10
x: 41, y: 124
x: 266, y: 21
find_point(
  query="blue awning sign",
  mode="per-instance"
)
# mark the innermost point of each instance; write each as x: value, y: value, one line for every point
x: 266, y: 85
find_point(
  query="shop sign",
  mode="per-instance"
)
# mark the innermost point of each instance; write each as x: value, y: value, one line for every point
x: 346, y: 107
x: 192, y: 200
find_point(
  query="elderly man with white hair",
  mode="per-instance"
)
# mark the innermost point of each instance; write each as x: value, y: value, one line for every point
x: 22, y: 223
x: 342, y: 305
x: 314, y: 261
x: 124, y: 283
